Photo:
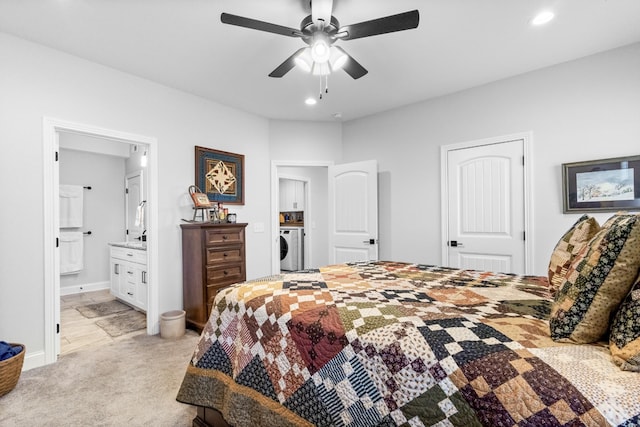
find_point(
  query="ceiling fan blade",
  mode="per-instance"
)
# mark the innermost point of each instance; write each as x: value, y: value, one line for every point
x: 353, y: 67
x: 254, y: 24
x: 388, y: 24
x: 321, y: 11
x: 287, y: 65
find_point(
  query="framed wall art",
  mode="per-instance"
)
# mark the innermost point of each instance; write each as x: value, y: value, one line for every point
x: 601, y: 185
x: 220, y: 175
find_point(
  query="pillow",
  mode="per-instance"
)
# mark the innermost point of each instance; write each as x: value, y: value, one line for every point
x: 597, y: 280
x: 570, y: 244
x: 624, y: 340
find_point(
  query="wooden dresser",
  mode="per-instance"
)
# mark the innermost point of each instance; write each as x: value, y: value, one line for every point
x: 213, y: 256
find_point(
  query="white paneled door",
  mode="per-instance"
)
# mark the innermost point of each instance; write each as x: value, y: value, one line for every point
x: 353, y: 212
x: 486, y: 217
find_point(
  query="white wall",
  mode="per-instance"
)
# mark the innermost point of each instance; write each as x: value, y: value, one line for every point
x: 305, y: 141
x: 581, y: 110
x: 76, y: 141
x: 103, y: 213
x: 36, y: 82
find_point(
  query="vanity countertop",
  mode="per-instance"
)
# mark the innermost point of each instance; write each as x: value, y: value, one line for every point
x: 130, y: 245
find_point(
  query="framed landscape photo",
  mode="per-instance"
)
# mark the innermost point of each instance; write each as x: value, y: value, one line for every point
x: 601, y: 185
x: 220, y: 175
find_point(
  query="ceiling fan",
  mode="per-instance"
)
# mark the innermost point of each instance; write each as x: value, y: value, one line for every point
x: 320, y: 30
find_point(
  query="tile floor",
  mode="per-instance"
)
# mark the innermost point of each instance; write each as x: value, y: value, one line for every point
x: 78, y: 332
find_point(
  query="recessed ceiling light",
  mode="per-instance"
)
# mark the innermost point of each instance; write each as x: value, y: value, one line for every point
x: 542, y: 18
x: 310, y: 101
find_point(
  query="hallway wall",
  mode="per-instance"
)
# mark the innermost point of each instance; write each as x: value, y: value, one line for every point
x: 38, y: 82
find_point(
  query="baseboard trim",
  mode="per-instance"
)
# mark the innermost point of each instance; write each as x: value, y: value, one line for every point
x: 33, y: 360
x: 87, y: 287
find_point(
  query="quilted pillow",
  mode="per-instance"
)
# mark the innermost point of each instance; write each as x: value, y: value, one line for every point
x: 624, y: 341
x: 570, y: 244
x: 597, y: 280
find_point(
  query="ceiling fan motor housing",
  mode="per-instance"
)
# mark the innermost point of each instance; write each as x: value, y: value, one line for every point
x: 308, y: 29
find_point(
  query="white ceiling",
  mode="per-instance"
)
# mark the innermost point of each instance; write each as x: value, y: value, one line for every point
x: 458, y: 44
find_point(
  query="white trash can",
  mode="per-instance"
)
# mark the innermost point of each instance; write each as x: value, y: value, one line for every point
x: 172, y: 324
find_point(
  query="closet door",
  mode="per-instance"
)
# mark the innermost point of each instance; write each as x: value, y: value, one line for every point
x: 486, y: 207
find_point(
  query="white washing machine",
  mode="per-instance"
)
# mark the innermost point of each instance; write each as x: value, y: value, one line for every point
x: 291, y: 248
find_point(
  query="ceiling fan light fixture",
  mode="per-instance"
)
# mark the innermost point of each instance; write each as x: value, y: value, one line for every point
x: 304, y: 60
x: 338, y: 58
x: 320, y: 48
x: 321, y: 69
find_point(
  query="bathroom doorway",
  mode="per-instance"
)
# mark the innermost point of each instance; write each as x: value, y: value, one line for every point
x: 109, y: 180
x: 53, y: 129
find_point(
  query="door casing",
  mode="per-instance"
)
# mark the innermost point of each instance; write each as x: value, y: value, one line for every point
x: 51, y: 128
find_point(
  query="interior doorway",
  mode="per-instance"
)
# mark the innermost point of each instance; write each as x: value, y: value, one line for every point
x: 349, y: 189
x: 315, y: 227
x: 294, y: 207
x: 52, y: 128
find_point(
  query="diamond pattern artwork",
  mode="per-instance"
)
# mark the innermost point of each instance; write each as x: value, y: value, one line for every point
x: 398, y: 344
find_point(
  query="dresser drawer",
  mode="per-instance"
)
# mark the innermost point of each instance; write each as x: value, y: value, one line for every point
x: 226, y: 235
x: 133, y: 255
x: 217, y: 256
x: 218, y: 276
x: 213, y: 258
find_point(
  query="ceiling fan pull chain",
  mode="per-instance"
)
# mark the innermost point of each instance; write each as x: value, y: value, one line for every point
x: 320, y: 87
x: 326, y: 83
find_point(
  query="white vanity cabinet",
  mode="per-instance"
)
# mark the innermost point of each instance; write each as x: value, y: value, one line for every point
x: 129, y: 276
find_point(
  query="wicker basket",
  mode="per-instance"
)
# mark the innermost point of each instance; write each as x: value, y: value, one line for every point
x: 10, y: 370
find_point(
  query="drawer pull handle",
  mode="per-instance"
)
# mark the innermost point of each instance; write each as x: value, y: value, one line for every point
x: 224, y: 237
x: 129, y: 272
x: 129, y: 254
x: 225, y: 272
x: 129, y: 293
x: 225, y: 255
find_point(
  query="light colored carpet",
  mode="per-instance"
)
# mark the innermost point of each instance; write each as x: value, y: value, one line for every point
x: 123, y: 323
x: 133, y: 382
x: 102, y: 309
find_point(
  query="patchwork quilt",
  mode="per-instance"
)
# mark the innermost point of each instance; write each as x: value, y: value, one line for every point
x: 398, y: 344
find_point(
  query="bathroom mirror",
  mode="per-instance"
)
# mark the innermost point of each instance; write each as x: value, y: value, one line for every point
x: 134, y: 206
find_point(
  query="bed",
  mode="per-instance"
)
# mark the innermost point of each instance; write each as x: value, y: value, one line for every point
x: 399, y: 344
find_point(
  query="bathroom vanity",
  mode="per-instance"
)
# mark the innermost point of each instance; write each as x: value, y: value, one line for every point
x: 128, y: 265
